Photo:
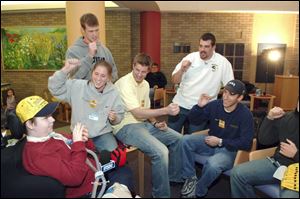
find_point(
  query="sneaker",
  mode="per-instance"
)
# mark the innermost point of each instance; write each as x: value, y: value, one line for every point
x: 188, y: 189
x: 191, y: 195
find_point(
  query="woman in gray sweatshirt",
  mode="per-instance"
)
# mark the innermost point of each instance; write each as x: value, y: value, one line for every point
x: 95, y: 103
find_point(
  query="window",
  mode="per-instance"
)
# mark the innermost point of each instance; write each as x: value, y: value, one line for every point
x: 181, y: 47
x: 234, y: 52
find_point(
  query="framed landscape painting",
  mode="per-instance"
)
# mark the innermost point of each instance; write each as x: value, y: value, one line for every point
x: 33, y: 48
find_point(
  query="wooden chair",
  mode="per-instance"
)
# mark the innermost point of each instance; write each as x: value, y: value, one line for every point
x: 67, y: 110
x: 263, y: 153
x: 159, y: 96
x: 64, y: 109
x: 272, y: 190
x: 241, y: 156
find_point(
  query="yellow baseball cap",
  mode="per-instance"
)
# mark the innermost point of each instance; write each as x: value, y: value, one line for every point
x: 34, y: 106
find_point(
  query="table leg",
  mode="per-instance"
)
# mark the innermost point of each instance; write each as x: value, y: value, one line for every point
x: 141, y: 164
x: 270, y: 105
x: 251, y: 103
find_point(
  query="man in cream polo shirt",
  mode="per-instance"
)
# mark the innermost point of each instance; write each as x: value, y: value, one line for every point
x: 139, y: 128
x: 204, y: 71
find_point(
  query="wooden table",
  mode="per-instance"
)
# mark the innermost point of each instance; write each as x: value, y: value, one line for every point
x: 268, y: 97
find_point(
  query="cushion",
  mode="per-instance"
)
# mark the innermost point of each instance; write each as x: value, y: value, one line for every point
x: 17, y: 182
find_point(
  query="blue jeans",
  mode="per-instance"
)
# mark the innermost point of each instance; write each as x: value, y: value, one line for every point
x: 158, y: 145
x: 106, y: 141
x: 178, y: 121
x: 245, y: 176
x: 220, y: 160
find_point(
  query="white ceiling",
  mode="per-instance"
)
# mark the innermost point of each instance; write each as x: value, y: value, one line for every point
x: 188, y: 6
x: 212, y: 6
x: 40, y: 5
x: 228, y: 6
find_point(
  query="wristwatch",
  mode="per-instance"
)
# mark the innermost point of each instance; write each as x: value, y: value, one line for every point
x: 220, y: 142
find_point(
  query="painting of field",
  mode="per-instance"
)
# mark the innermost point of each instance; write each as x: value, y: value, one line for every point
x: 33, y: 48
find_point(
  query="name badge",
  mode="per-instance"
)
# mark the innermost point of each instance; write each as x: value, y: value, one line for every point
x: 222, y: 124
x: 94, y: 117
x: 143, y: 103
x: 93, y: 103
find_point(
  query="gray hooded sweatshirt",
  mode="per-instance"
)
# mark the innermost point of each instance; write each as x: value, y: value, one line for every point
x: 80, y: 51
x: 89, y: 106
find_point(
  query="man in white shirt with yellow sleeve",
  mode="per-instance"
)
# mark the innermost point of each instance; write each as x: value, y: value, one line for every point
x: 139, y: 128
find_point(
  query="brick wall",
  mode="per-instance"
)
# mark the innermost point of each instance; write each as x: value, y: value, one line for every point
x: 292, y: 55
x: 118, y: 39
x: 123, y: 39
x: 188, y: 27
x: 135, y: 34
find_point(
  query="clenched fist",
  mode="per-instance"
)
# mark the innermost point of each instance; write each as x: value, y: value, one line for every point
x: 185, y: 65
x: 203, y: 100
x: 275, y: 113
x: 92, y: 48
x: 173, y: 109
x: 112, y: 116
x: 70, y: 64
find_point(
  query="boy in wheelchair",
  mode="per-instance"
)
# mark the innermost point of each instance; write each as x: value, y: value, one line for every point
x: 63, y: 157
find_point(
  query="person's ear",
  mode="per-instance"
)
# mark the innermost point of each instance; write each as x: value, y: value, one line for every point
x: 109, y: 78
x: 214, y: 47
x: 29, y: 124
x: 82, y: 31
x: 240, y: 98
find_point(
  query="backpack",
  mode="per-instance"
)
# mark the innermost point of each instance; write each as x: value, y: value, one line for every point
x: 119, y: 154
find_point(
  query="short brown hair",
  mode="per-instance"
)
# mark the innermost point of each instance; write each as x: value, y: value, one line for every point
x: 105, y: 64
x: 88, y: 19
x: 143, y: 59
x: 155, y: 64
x: 209, y: 36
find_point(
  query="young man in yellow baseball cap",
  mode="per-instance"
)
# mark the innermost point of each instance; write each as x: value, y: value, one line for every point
x: 47, y: 153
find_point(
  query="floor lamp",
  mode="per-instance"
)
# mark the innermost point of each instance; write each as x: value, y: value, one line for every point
x: 273, y: 56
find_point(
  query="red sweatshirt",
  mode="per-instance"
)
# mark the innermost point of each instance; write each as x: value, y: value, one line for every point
x: 55, y: 159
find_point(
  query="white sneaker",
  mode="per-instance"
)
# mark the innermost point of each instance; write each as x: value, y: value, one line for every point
x: 189, y: 187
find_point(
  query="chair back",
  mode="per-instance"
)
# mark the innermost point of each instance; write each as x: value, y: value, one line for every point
x: 47, y: 95
x: 159, y: 96
x: 263, y: 153
x: 243, y: 156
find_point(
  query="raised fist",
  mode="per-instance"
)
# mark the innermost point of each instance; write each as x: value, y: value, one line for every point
x: 185, y: 65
